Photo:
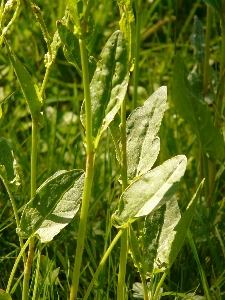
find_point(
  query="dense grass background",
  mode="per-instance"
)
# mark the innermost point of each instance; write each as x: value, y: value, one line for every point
x: 166, y: 29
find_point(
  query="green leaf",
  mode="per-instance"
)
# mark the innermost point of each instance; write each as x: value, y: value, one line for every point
x: 127, y: 25
x: 56, y: 42
x: 109, y: 84
x: 30, y: 91
x: 142, y: 126
x: 75, y: 8
x: 159, y: 234
x: 150, y: 191
x: 8, y: 166
x: 198, y: 41
x: 216, y: 4
x: 196, y: 114
x: 4, y: 295
x: 55, y: 204
x: 136, y: 253
x: 71, y: 47
x: 183, y: 225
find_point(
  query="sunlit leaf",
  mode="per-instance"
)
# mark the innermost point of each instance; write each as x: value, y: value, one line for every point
x: 142, y: 126
x: 4, y: 295
x: 109, y: 84
x: 150, y: 191
x: 55, y: 204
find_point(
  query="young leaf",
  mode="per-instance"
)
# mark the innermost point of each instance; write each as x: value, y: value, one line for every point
x: 150, y: 191
x: 159, y: 235
x: 71, y: 47
x: 196, y: 114
x: 8, y: 167
x: 183, y: 225
x: 56, y: 42
x: 30, y: 91
x: 55, y: 204
x: 142, y: 126
x: 109, y: 84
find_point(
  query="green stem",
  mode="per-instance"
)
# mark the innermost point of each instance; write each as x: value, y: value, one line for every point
x: 29, y: 262
x: 16, y: 264
x: 37, y: 272
x: 206, y: 175
x: 88, y: 175
x: 109, y: 250
x: 124, y: 238
x: 137, y: 53
x: 15, y: 213
x: 156, y: 294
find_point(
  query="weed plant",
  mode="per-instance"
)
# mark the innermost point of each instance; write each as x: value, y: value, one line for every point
x: 112, y: 149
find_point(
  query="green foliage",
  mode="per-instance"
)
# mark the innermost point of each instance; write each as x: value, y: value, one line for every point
x: 196, y: 114
x: 109, y: 84
x: 4, y: 295
x: 153, y: 189
x: 55, y: 204
x: 8, y: 166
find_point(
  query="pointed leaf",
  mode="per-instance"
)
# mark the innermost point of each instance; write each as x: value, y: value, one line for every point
x: 30, y: 91
x: 109, y: 84
x: 159, y: 235
x: 183, y: 225
x: 196, y: 114
x: 8, y: 170
x: 142, y: 126
x: 56, y: 202
x: 150, y: 191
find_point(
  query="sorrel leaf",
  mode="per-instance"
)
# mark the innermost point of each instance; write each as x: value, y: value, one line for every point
x: 56, y: 42
x: 30, y: 91
x: 142, y: 126
x: 183, y: 225
x: 109, y: 84
x: 150, y: 191
x: 196, y: 114
x: 159, y: 235
x: 8, y: 166
x: 55, y: 204
x: 71, y: 47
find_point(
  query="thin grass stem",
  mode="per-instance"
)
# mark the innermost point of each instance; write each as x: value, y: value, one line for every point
x: 88, y: 175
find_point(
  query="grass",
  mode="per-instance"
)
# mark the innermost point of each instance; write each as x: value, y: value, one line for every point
x: 198, y: 268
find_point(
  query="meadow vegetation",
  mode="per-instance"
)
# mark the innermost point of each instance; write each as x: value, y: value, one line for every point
x: 112, y: 149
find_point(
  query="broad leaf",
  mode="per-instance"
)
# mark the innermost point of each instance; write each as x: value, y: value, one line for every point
x: 183, y: 225
x: 30, y: 91
x: 8, y: 166
x: 142, y: 126
x: 159, y: 235
x: 216, y: 4
x: 109, y: 84
x: 150, y: 191
x: 4, y: 295
x: 196, y: 114
x: 55, y: 204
